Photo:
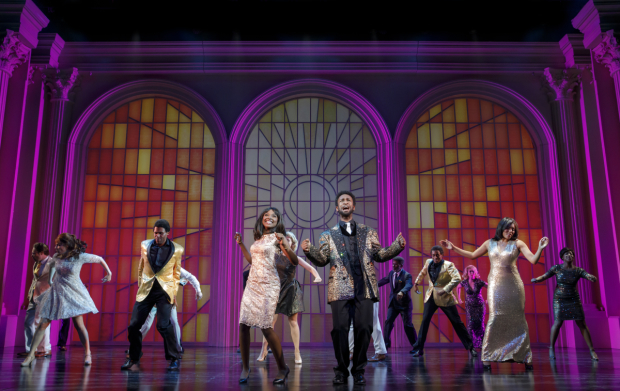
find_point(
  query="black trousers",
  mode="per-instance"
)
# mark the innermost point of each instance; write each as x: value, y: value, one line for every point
x: 342, y: 313
x: 141, y: 311
x: 63, y: 333
x: 453, y: 316
x: 392, y: 314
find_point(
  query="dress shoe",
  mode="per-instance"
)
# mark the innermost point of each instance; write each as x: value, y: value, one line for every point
x: 23, y: 354
x: 473, y: 352
x: 359, y: 379
x: 43, y: 354
x: 529, y: 367
x: 174, y: 365
x: 339, y: 379
x: 486, y: 367
x: 282, y: 380
x: 128, y: 364
x: 418, y: 353
x: 377, y: 357
x: 243, y: 380
x: 63, y: 348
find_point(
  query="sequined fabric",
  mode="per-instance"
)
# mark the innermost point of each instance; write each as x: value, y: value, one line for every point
x: 566, y: 301
x: 291, y: 299
x: 261, y: 294
x: 475, y: 310
x: 331, y: 251
x: 67, y: 296
x: 507, y: 336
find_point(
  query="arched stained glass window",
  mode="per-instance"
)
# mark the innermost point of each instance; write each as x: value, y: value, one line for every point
x: 297, y: 158
x: 149, y: 159
x: 470, y: 162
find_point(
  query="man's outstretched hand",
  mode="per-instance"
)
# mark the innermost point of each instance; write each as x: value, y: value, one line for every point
x: 305, y: 245
x: 401, y: 240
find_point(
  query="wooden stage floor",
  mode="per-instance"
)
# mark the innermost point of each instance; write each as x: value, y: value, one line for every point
x: 218, y: 369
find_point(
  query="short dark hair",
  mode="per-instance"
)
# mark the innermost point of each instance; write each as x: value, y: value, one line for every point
x: 41, y: 248
x: 566, y: 250
x: 343, y: 192
x: 162, y: 224
x: 400, y: 260
x: 437, y: 248
x: 504, y: 224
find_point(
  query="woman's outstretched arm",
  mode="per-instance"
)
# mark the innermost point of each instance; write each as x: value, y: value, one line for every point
x: 244, y: 250
x: 533, y: 258
x: 480, y: 251
x: 308, y: 267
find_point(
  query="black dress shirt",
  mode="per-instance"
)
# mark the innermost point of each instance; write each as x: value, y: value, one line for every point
x: 434, y: 269
x: 350, y: 240
x: 159, y: 256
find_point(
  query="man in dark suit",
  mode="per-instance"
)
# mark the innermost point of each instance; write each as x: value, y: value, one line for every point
x: 400, y: 301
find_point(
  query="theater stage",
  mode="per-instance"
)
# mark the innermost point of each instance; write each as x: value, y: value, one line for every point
x: 219, y: 368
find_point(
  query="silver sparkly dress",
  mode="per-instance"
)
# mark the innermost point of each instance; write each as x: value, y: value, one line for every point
x: 507, y: 336
x: 262, y: 291
x: 67, y: 296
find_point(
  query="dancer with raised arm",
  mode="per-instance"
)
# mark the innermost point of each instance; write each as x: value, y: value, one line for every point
x: 442, y: 277
x: 475, y: 306
x: 566, y: 301
x: 262, y: 292
x: 291, y: 301
x: 67, y: 296
x: 351, y: 249
x: 507, y: 336
x: 159, y: 274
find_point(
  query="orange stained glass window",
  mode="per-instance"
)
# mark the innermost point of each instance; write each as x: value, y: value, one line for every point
x: 150, y: 159
x: 470, y: 162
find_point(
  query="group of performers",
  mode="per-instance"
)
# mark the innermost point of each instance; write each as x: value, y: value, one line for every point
x: 350, y: 249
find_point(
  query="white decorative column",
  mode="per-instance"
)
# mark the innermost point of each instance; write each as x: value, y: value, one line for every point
x: 561, y: 85
x: 61, y: 85
x: 608, y: 53
x: 12, y: 54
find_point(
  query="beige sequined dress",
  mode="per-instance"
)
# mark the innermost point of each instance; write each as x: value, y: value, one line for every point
x: 262, y: 291
x: 506, y: 337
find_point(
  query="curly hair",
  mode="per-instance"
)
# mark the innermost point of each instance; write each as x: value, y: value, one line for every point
x: 75, y: 246
x: 466, y: 272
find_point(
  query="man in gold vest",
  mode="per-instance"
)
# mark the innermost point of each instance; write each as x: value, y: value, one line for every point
x: 159, y: 273
x: 441, y: 276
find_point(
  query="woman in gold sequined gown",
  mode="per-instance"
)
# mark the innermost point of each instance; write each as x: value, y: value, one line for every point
x: 262, y: 291
x: 506, y: 337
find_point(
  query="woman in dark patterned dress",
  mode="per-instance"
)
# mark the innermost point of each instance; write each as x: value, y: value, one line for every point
x: 474, y: 303
x: 566, y: 300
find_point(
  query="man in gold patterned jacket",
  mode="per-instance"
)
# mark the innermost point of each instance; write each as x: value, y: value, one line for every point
x: 442, y: 277
x: 159, y: 273
x: 351, y: 249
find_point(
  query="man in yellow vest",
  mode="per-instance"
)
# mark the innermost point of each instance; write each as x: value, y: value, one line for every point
x: 159, y: 274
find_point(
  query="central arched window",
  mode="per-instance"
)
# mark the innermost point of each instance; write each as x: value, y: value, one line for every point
x: 470, y: 162
x: 151, y: 158
x: 297, y: 157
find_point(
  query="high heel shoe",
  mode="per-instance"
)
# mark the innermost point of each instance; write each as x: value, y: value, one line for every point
x: 283, y: 379
x: 593, y: 355
x: 262, y: 358
x: 88, y: 361
x: 529, y: 367
x: 551, y: 353
x: 486, y: 367
x: 28, y: 361
x: 243, y: 380
x: 296, y: 360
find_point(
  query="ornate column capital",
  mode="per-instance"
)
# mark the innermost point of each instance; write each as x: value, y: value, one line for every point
x: 607, y: 52
x: 12, y: 52
x: 559, y: 84
x: 62, y: 84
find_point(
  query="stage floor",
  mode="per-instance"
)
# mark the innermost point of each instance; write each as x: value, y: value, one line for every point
x: 219, y: 368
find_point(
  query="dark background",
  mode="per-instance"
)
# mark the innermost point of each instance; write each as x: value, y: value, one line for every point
x: 317, y: 20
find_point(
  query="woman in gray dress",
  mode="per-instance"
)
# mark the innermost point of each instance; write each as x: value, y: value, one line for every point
x: 67, y: 296
x: 291, y: 300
